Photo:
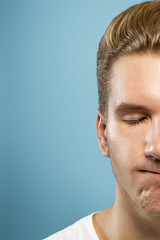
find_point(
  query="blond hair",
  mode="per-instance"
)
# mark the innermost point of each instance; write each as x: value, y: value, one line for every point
x: 136, y: 30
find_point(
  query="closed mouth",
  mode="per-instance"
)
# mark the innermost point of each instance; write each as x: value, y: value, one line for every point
x: 148, y: 171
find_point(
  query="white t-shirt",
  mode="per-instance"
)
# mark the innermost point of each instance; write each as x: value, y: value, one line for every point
x: 80, y: 230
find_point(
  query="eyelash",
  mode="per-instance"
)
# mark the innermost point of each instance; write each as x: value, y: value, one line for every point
x: 135, y: 122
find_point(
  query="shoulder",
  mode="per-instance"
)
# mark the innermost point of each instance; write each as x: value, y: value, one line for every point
x: 82, y: 229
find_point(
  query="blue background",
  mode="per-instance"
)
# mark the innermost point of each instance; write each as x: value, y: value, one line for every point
x: 52, y: 172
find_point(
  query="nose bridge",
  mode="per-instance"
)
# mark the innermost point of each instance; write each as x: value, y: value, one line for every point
x: 153, y: 139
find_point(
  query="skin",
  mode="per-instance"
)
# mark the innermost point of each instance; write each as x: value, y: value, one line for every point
x: 130, y: 136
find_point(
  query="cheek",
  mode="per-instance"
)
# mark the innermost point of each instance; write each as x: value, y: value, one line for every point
x: 126, y: 147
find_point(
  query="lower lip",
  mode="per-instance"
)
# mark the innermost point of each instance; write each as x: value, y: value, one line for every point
x: 153, y: 174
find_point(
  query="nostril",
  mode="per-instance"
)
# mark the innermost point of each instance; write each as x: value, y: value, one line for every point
x: 152, y: 158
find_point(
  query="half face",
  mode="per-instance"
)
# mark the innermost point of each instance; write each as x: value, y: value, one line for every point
x: 132, y: 133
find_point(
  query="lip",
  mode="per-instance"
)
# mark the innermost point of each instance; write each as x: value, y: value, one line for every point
x: 153, y: 172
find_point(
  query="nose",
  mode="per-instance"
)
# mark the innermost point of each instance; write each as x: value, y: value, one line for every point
x: 152, y: 148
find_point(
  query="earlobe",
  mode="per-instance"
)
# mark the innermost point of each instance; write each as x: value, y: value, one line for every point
x: 101, y: 132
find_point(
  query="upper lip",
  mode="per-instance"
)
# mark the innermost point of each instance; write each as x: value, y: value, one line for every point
x: 150, y: 166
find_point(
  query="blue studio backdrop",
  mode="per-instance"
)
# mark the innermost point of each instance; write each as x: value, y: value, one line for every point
x: 51, y: 169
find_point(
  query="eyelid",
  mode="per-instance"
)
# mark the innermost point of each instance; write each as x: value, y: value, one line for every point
x: 135, y: 117
x: 136, y: 121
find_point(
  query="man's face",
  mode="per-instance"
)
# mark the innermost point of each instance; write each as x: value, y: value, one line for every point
x: 133, y: 130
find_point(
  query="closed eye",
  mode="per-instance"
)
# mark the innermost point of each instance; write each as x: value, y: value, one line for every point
x: 136, y: 121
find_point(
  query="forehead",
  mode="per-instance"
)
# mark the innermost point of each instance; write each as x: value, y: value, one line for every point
x: 136, y: 79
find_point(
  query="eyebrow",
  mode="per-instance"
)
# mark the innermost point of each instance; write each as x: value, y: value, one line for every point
x: 125, y: 108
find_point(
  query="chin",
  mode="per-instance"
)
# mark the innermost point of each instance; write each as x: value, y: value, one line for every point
x: 150, y: 201
x: 151, y: 210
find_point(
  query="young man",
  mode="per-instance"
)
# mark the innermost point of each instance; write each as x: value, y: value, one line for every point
x: 128, y: 127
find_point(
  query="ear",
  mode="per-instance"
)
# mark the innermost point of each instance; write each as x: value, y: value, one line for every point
x: 101, y: 132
